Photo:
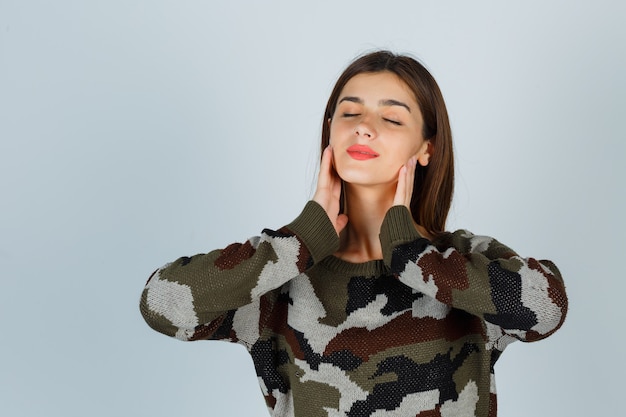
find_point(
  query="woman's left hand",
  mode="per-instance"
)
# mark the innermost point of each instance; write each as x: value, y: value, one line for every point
x: 404, y: 190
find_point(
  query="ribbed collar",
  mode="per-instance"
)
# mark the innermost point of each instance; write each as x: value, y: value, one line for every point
x: 366, y: 269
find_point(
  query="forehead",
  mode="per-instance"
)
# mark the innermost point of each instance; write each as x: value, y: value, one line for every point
x: 378, y: 85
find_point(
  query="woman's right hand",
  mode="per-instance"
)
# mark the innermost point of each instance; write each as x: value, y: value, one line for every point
x: 328, y: 191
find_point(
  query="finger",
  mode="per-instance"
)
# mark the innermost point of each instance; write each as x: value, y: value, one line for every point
x: 324, y: 178
x: 409, y: 181
x: 398, y: 199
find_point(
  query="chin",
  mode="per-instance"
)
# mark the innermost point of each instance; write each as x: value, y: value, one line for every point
x: 363, y: 178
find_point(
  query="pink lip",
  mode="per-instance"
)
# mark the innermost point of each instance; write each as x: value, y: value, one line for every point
x: 361, y: 152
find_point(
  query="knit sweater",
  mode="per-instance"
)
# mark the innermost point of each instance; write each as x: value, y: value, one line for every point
x: 414, y: 334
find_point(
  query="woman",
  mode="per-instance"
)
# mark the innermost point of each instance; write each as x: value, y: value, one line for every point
x: 364, y: 305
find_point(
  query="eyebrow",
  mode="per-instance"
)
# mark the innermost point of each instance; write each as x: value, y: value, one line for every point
x: 384, y: 102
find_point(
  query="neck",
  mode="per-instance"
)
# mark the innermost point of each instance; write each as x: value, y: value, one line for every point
x: 366, y: 208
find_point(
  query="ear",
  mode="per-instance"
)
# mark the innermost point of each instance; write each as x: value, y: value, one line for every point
x: 425, y: 152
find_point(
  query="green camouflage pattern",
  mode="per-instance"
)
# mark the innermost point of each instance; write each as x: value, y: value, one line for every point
x: 415, y: 334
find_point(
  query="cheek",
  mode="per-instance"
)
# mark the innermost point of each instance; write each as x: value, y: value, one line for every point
x: 334, y: 134
x: 416, y: 146
x: 341, y: 130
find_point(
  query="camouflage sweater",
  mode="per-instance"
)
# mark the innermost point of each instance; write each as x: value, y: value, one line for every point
x: 414, y: 334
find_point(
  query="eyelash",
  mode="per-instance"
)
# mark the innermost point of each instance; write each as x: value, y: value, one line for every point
x: 394, y: 122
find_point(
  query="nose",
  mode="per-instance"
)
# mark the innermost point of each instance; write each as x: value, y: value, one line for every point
x: 365, y: 129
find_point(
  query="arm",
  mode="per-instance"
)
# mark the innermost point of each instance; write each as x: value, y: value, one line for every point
x: 196, y: 297
x: 523, y: 296
x: 205, y: 296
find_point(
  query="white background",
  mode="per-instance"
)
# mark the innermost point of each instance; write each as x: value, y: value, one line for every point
x: 134, y: 132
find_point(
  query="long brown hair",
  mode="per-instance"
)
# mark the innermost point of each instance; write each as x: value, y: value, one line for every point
x: 434, y: 183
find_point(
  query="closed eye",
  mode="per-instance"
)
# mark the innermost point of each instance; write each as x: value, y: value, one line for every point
x: 395, y: 122
x: 351, y: 114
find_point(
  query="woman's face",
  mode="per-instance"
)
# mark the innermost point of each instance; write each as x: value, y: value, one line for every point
x: 376, y: 128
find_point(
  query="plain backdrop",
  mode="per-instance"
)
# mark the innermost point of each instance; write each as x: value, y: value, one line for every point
x: 135, y: 132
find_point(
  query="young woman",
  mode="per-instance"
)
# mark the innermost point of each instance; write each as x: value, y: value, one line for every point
x: 364, y: 305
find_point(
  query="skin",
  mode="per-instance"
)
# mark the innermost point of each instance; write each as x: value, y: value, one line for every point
x: 377, y: 110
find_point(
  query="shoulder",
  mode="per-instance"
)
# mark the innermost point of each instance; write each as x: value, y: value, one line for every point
x: 465, y: 241
x: 461, y: 239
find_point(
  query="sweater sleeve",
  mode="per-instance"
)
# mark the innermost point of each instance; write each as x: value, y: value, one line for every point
x: 197, y: 297
x: 524, y: 297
